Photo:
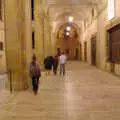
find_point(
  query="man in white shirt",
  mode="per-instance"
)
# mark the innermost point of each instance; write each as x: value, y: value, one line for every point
x: 62, y: 60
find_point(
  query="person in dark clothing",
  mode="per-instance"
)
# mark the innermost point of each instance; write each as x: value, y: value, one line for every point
x: 35, y: 73
x: 55, y: 64
x: 48, y: 63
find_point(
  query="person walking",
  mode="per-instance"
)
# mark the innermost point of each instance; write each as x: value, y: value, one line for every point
x: 62, y: 61
x: 55, y: 64
x: 48, y: 63
x: 35, y: 74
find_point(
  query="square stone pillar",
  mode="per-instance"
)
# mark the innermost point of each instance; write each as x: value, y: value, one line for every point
x: 39, y: 31
x: 15, y: 41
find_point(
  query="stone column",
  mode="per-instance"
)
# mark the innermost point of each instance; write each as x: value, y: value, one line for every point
x: 14, y: 40
x: 53, y: 42
x: 28, y: 40
x: 47, y: 40
x: 39, y: 34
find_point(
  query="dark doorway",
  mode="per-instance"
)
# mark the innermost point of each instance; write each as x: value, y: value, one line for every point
x: 80, y: 51
x: 58, y: 51
x: 67, y: 51
x: 93, y: 50
x: 85, y: 51
x: 76, y: 54
x: 114, y: 46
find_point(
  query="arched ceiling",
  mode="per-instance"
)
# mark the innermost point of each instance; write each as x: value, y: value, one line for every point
x: 58, y: 11
x: 79, y: 13
x: 72, y: 2
x: 80, y: 9
x: 61, y: 33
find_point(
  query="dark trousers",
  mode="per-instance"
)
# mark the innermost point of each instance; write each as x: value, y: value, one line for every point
x: 55, y: 69
x: 35, y: 81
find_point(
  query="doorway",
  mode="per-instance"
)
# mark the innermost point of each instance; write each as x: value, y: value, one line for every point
x: 80, y: 51
x: 58, y: 51
x: 114, y: 46
x: 85, y: 51
x: 93, y: 50
x: 76, y: 53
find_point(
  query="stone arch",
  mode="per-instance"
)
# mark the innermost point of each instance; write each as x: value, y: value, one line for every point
x: 59, y: 26
x: 71, y: 45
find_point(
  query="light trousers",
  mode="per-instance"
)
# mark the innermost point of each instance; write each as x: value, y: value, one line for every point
x: 62, y: 69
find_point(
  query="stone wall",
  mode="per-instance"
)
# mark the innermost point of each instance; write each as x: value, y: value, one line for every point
x: 99, y: 28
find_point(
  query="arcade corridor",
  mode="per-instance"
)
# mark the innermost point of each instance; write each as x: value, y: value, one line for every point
x: 85, y: 93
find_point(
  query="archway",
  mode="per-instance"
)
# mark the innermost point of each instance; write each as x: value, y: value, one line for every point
x: 67, y: 40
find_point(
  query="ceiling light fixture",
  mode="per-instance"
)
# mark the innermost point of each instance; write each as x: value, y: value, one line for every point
x: 67, y: 33
x: 70, y: 19
x: 68, y: 28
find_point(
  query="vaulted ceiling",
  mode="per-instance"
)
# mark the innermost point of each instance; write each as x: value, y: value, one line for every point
x: 72, y: 2
x: 80, y: 9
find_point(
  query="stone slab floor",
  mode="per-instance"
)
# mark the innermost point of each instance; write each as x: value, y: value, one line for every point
x: 85, y: 93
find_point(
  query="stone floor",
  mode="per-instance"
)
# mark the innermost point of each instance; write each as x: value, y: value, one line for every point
x: 85, y: 93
